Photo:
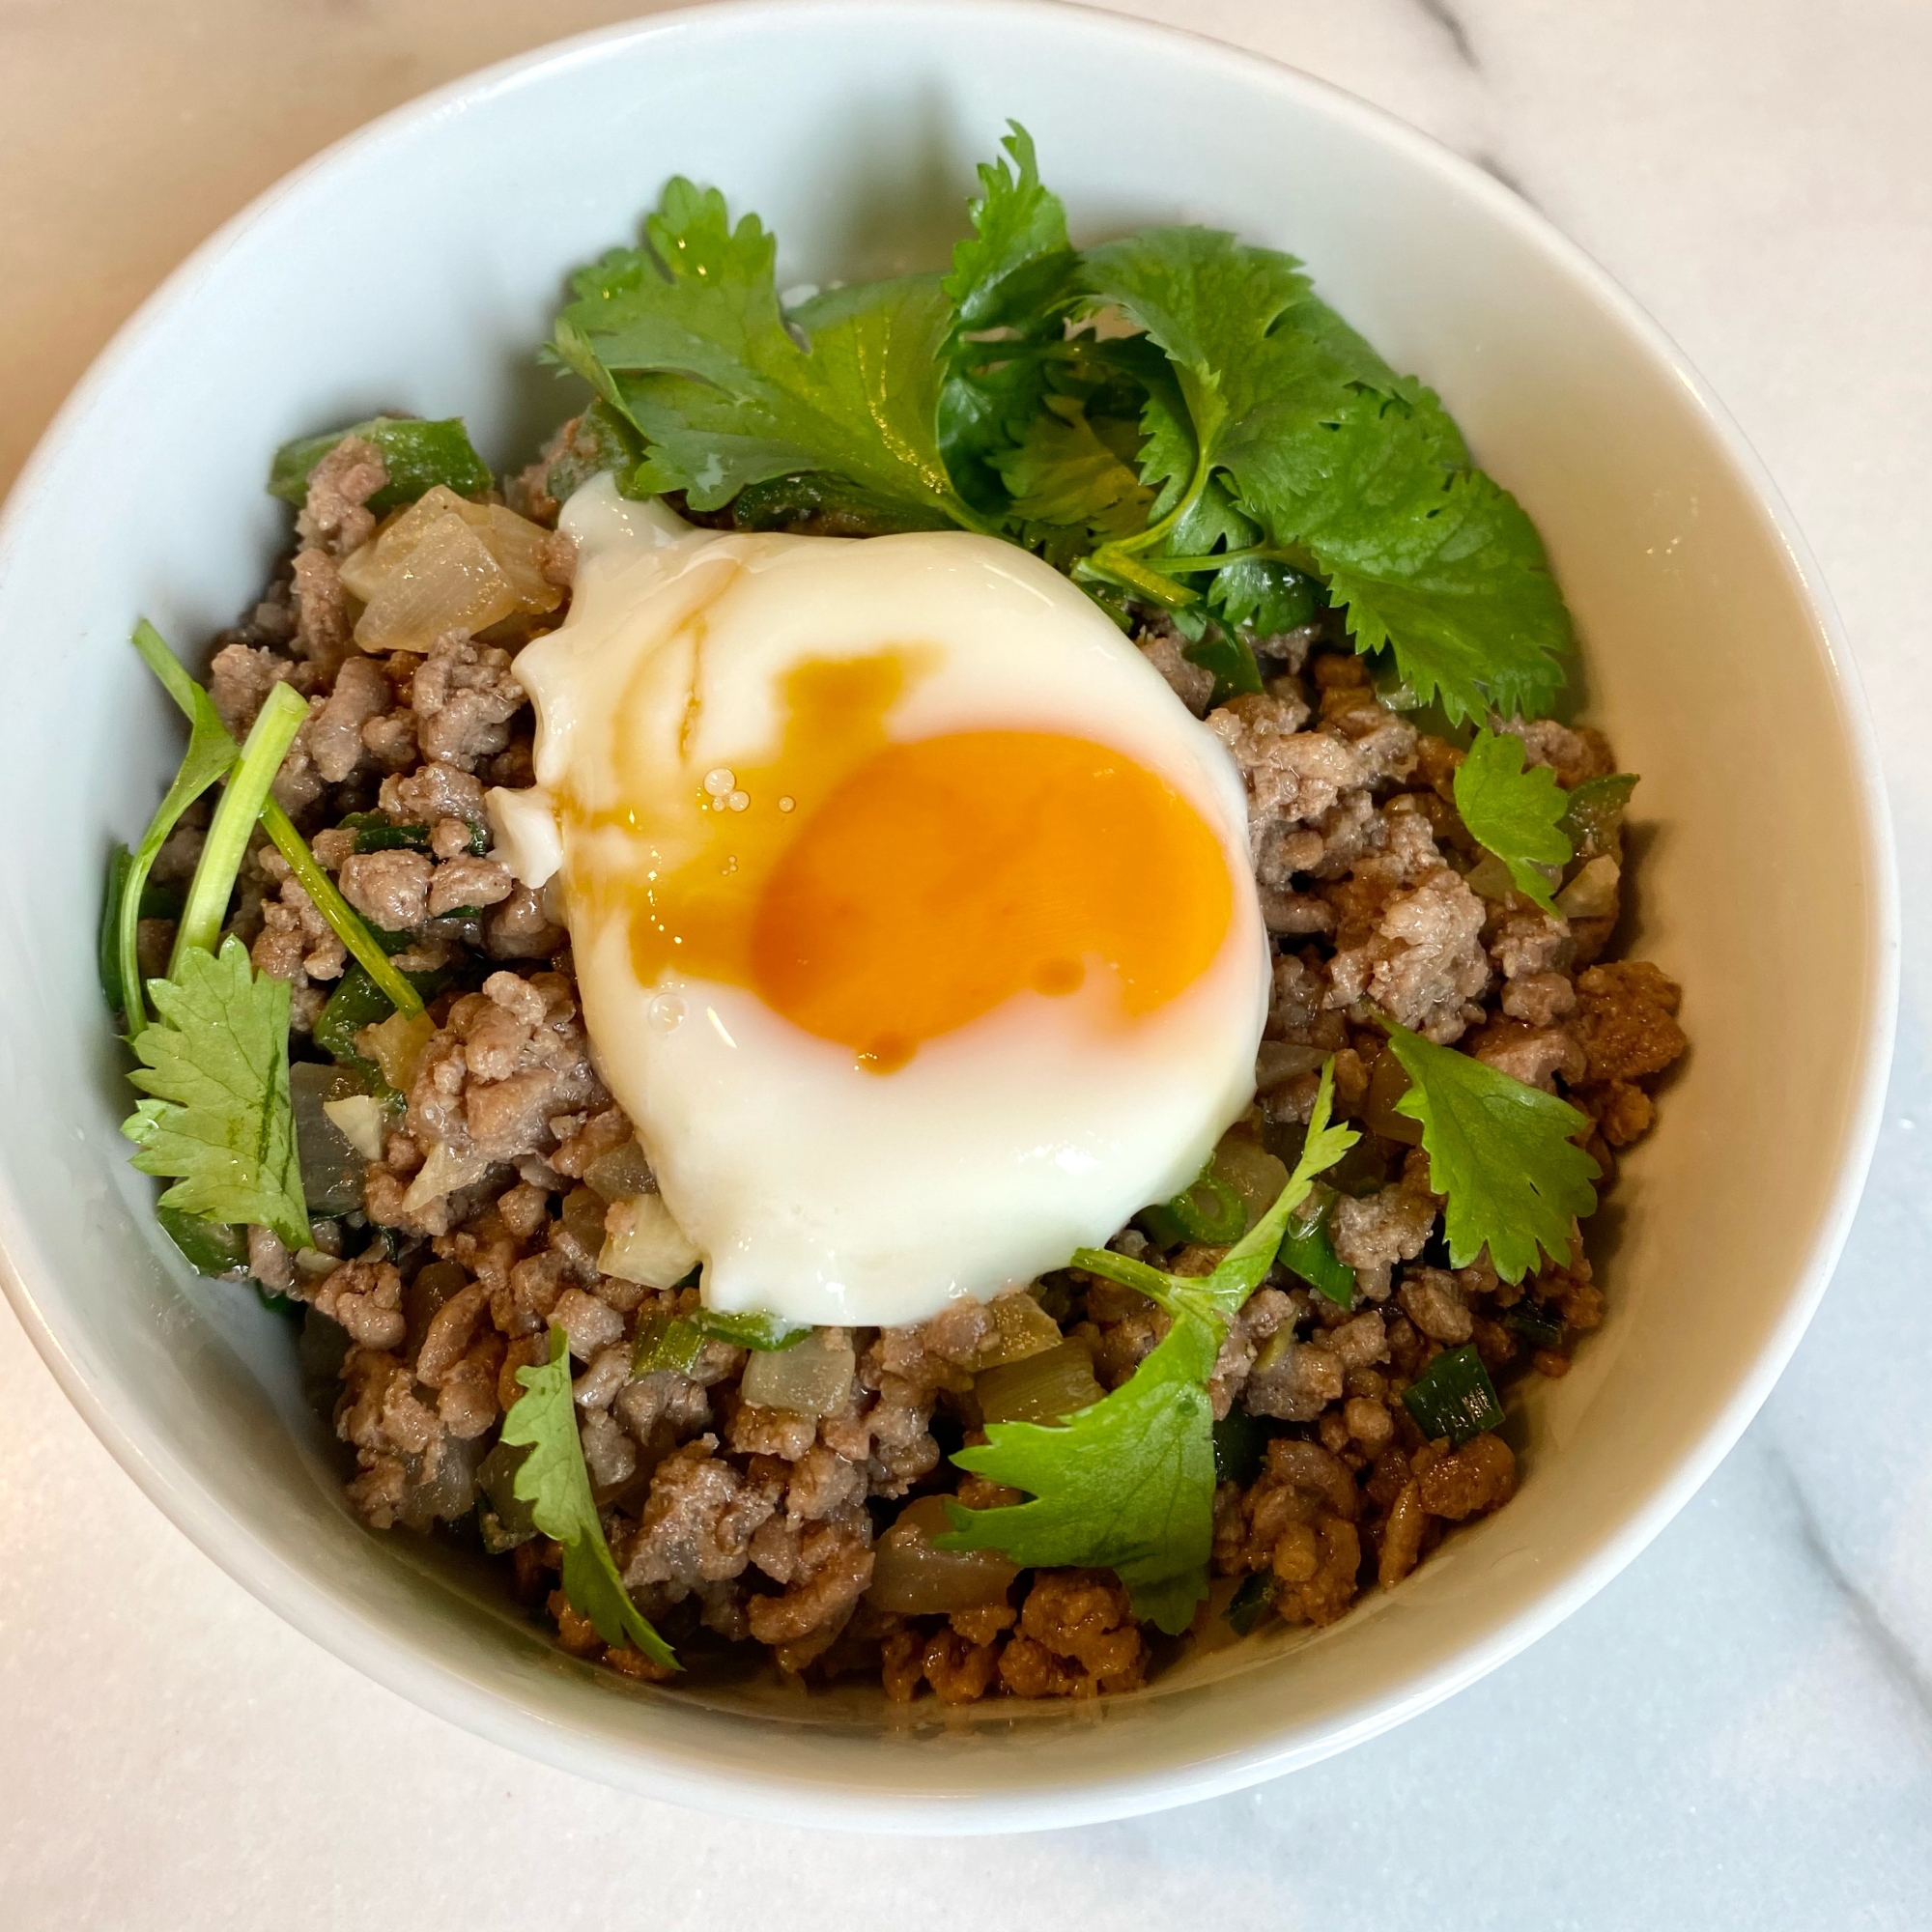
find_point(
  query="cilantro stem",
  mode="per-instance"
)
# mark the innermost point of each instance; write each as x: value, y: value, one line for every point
x: 209, y: 753
x: 1114, y: 567
x: 341, y: 916
x: 227, y: 840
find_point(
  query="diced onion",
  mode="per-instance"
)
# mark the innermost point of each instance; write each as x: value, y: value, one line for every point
x: 810, y: 1377
x: 1387, y: 1086
x: 1255, y: 1174
x: 395, y: 1044
x: 1593, y: 893
x: 1278, y: 1060
x: 1042, y: 1388
x: 444, y: 1173
x: 1021, y: 1328
x: 642, y: 1243
x: 619, y: 1175
x: 913, y: 1580
x: 446, y: 563
x: 362, y: 1121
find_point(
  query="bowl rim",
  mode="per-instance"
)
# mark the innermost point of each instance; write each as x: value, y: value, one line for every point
x: 432, y: 1682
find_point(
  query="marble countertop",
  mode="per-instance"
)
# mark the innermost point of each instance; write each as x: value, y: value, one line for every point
x: 1737, y: 1733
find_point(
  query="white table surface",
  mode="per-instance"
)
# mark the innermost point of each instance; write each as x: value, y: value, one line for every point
x: 1737, y: 1733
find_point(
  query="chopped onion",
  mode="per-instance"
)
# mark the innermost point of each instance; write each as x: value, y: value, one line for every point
x: 810, y: 1377
x: 1278, y: 1060
x: 1255, y: 1174
x: 331, y: 1169
x: 584, y: 1218
x: 1021, y: 1328
x: 444, y: 1173
x: 621, y: 1173
x: 1042, y: 1388
x: 362, y: 1121
x: 443, y: 564
x: 912, y: 1578
x: 1488, y: 878
x: 395, y: 1044
x: 642, y: 1243
x: 1387, y: 1086
x: 1593, y: 893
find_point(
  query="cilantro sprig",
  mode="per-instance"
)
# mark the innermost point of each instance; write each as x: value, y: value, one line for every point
x: 217, y: 1120
x: 1128, y: 1483
x: 555, y: 1484
x: 1503, y: 1152
x: 1518, y: 814
x: 1244, y: 448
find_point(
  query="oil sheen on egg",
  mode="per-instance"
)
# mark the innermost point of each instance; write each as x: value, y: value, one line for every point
x: 912, y: 915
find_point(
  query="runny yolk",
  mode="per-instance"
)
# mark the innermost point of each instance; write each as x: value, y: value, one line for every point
x: 884, y: 894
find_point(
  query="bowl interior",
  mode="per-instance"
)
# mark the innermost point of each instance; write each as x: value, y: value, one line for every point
x: 417, y: 268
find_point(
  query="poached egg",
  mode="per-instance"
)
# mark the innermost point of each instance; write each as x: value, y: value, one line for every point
x: 912, y: 916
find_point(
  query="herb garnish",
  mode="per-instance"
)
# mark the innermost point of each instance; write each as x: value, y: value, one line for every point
x: 1243, y: 453
x: 1503, y: 1151
x: 553, y: 1481
x: 1518, y: 814
x: 1128, y: 1483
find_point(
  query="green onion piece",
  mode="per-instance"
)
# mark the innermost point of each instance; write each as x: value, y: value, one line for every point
x: 1307, y: 1251
x: 1159, y: 1225
x: 344, y: 919
x: 227, y: 841
x: 763, y: 1334
x: 1453, y: 1397
x: 357, y: 1002
x: 1594, y: 817
x: 666, y: 1342
x: 1535, y: 1323
x: 210, y: 1247
x: 376, y: 833
x: 417, y: 455
x: 210, y: 752
x: 1232, y: 660
x: 1210, y: 1210
x: 1240, y: 1441
x: 1251, y: 1602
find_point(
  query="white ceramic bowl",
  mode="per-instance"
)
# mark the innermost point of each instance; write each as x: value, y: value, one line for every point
x: 417, y: 267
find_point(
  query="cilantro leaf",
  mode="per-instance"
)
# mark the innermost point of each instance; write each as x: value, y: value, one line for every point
x: 219, y: 1121
x: 685, y: 338
x: 553, y: 1481
x: 1062, y: 473
x: 1343, y: 464
x: 1503, y: 1154
x: 1017, y: 264
x: 1517, y: 814
x: 1127, y: 1483
x: 1010, y: 284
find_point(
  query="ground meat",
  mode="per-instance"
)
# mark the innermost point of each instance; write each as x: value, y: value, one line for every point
x: 757, y: 1523
x: 1424, y: 964
x: 463, y: 695
x: 1374, y: 1232
x: 1190, y: 682
x: 1077, y: 1637
x: 1574, y: 756
x: 360, y: 693
x: 697, y: 1525
x: 1537, y: 1055
x: 388, y: 889
x: 1626, y: 1020
x: 334, y: 517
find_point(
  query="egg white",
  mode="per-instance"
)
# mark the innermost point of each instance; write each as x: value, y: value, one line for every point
x: 814, y: 1189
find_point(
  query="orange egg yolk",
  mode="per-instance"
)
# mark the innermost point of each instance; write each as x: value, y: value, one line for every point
x: 883, y: 895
